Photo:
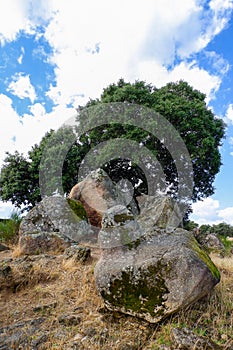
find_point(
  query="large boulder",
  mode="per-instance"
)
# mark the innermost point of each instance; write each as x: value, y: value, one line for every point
x: 98, y: 194
x: 53, y: 223
x: 158, y: 276
x: 213, y: 243
x: 150, y: 271
x: 159, y: 210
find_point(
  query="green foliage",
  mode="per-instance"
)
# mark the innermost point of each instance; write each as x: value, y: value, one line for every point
x: 183, y: 106
x: 221, y: 229
x: 186, y: 110
x: 228, y: 245
x: 190, y: 225
x: 77, y: 208
x: 19, y: 179
x: 9, y: 227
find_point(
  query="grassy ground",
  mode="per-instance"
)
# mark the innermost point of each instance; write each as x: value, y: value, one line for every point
x: 62, y: 293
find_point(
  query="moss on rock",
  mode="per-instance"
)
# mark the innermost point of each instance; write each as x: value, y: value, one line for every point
x: 205, y: 258
x: 77, y: 208
x: 141, y: 292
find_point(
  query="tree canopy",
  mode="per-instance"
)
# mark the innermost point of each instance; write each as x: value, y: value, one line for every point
x: 221, y: 229
x: 184, y: 107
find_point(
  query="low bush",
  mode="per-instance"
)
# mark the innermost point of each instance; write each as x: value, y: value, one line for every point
x: 9, y: 228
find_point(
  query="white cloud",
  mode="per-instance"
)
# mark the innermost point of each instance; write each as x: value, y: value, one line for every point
x: 218, y: 63
x: 226, y: 215
x: 148, y: 38
x: 130, y: 35
x: 22, y: 133
x: 37, y: 110
x: 22, y: 15
x: 190, y: 72
x: 184, y: 28
x: 21, y: 87
x: 6, y: 209
x: 229, y: 114
x: 10, y: 126
x: 13, y: 18
x: 20, y: 58
x: 208, y: 212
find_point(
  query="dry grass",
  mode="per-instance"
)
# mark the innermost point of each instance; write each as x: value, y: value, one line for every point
x: 60, y: 288
x: 223, y: 264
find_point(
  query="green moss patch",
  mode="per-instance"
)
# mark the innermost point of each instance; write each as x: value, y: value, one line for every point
x: 139, y: 291
x: 205, y: 258
x: 77, y: 208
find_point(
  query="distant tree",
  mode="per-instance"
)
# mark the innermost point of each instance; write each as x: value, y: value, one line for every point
x: 19, y: 179
x: 190, y: 225
x: 183, y: 106
x: 222, y: 229
x: 22, y: 178
x: 204, y: 229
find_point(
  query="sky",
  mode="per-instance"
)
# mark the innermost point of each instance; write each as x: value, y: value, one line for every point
x: 55, y: 55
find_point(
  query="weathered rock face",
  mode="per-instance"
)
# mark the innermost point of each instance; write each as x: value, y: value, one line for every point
x: 186, y: 339
x: 213, y: 243
x: 147, y: 269
x: 156, y: 277
x: 38, y: 243
x: 158, y: 211
x: 97, y: 193
x: 53, y: 223
x: 78, y: 253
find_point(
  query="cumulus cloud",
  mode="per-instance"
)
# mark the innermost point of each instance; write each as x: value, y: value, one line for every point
x: 192, y: 27
x: 21, y: 87
x: 6, y: 210
x: 141, y: 47
x: 21, y: 133
x: 13, y: 18
x: 229, y: 114
x: 208, y: 212
x: 10, y: 126
x: 226, y: 215
x: 22, y: 15
x: 148, y: 38
x: 197, y: 77
x: 20, y: 58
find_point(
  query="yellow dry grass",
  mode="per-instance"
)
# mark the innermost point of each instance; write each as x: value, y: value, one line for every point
x: 66, y: 287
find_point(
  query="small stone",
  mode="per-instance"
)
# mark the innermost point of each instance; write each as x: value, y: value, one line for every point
x: 5, y: 271
x: 44, y: 307
x: 79, y: 254
x: 3, y: 248
x: 90, y: 332
x: 186, y: 339
x: 224, y: 337
x: 38, y: 341
x: 69, y: 320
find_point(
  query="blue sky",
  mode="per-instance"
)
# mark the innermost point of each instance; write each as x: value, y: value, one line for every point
x: 55, y: 55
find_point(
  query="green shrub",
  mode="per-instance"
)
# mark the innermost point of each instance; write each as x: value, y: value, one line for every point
x: 228, y: 245
x: 9, y: 228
